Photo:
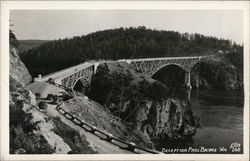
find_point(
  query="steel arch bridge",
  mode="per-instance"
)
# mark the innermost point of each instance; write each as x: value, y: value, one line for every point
x: 68, y: 77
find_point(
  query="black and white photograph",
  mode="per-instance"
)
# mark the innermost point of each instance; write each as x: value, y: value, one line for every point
x: 127, y: 81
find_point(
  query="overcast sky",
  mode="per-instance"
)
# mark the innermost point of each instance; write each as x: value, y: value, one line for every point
x: 55, y: 24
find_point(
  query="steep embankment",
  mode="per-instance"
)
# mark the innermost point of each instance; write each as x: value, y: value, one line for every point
x: 141, y: 102
x: 95, y: 115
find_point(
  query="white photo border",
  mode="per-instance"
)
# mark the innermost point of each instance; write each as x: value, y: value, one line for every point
x: 7, y: 6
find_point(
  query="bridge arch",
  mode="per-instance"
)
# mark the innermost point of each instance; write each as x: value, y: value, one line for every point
x: 165, y: 65
x: 82, y: 81
x: 185, y: 68
x: 171, y: 75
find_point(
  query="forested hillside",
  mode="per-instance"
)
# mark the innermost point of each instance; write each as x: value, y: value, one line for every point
x: 121, y: 43
x: 25, y: 45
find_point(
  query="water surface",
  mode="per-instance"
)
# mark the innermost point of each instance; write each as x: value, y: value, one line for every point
x: 221, y: 119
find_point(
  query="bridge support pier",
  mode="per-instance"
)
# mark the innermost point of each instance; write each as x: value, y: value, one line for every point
x: 188, y: 79
x: 95, y: 66
x: 188, y: 84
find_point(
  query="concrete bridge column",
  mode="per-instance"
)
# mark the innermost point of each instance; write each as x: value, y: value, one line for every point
x: 95, y: 66
x: 188, y: 79
x: 188, y: 84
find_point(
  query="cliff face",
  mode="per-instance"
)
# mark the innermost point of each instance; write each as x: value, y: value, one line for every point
x: 32, y: 131
x: 217, y: 72
x: 141, y: 102
x: 18, y: 71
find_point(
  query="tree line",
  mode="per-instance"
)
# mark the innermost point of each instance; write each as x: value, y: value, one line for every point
x: 120, y: 43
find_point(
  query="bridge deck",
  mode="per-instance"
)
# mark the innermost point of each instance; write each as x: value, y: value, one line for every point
x: 67, y: 71
x: 71, y: 70
x: 163, y: 58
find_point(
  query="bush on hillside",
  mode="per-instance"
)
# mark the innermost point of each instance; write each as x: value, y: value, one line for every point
x: 51, y: 80
x: 50, y: 97
x: 38, y: 95
x: 13, y: 84
x: 42, y: 105
x: 22, y: 139
x: 77, y: 142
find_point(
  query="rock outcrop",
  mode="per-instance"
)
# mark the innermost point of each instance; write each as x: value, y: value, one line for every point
x: 33, y: 131
x: 217, y: 72
x: 141, y: 102
x: 18, y: 70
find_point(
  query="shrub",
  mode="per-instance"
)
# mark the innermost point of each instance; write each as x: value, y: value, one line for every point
x: 19, y: 118
x: 69, y: 90
x: 50, y: 96
x: 51, y: 80
x: 27, y: 143
x: 13, y: 84
x: 38, y: 95
x: 77, y: 142
x: 42, y: 105
x: 56, y: 100
x: 67, y: 97
x: 22, y: 139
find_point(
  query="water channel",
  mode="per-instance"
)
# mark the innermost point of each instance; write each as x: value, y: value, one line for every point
x: 221, y: 119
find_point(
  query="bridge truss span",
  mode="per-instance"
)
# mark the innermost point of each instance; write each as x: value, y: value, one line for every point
x: 68, y: 77
x: 150, y: 66
x: 85, y: 74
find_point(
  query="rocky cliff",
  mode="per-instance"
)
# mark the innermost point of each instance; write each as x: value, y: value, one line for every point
x: 18, y: 70
x: 218, y: 72
x: 141, y: 102
x: 32, y: 130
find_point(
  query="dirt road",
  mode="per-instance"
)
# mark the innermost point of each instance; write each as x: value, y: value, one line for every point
x: 101, y: 146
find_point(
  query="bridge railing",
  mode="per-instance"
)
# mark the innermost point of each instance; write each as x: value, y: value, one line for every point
x: 71, y: 70
x: 65, y: 72
x: 164, y: 58
x: 106, y: 136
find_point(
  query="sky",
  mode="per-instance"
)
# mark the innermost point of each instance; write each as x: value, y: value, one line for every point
x: 55, y: 24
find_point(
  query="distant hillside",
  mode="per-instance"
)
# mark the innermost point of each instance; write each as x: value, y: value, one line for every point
x: 120, y: 43
x: 25, y: 45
